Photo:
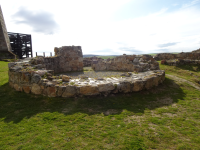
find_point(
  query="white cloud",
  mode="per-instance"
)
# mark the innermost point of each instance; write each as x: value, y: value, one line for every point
x: 88, y: 24
x: 191, y: 3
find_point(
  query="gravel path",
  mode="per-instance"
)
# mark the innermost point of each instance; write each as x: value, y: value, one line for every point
x: 182, y: 80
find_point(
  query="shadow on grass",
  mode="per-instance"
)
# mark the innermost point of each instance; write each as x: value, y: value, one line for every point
x: 190, y: 67
x: 14, y: 106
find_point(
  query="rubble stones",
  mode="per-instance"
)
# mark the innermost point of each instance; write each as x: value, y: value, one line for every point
x: 65, y: 78
x: 44, y: 82
x: 127, y: 63
x: 176, y: 62
x: 35, y: 89
x: 35, y: 78
x: 169, y: 56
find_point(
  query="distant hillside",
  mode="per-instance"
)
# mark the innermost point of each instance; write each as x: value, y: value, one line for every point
x: 113, y: 56
x: 89, y: 55
x: 100, y: 56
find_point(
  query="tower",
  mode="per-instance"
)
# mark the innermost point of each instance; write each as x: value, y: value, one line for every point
x: 5, y: 47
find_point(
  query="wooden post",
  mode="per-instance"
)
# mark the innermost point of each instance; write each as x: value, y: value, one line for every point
x: 44, y: 54
x: 36, y: 54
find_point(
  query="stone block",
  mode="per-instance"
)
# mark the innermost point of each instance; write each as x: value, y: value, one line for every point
x: 51, y: 91
x: 60, y: 90
x: 149, y: 82
x: 17, y: 87
x: 106, y: 87
x: 125, y: 86
x: 35, y: 78
x: 26, y: 89
x: 89, y: 90
x: 36, y: 89
x: 70, y: 91
x: 138, y: 85
x: 65, y: 78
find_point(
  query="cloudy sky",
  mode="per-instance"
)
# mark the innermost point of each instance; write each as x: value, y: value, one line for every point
x: 107, y: 27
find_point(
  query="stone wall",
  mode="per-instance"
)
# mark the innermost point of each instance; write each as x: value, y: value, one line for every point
x: 25, y: 78
x: 5, y: 47
x: 196, y: 51
x: 67, y: 58
x: 138, y: 63
x: 168, y: 56
x: 176, y: 62
x: 88, y: 61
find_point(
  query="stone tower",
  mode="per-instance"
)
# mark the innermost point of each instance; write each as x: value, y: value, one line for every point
x: 5, y: 47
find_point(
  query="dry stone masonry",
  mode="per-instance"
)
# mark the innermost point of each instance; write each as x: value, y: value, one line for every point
x: 168, y: 56
x: 67, y: 58
x: 88, y: 61
x: 137, y: 63
x: 34, y: 76
x: 179, y: 59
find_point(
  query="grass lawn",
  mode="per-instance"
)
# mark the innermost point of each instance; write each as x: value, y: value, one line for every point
x: 188, y: 72
x: 106, y: 57
x: 165, y: 117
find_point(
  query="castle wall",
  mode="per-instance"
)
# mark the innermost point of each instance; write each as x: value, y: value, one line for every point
x: 5, y: 46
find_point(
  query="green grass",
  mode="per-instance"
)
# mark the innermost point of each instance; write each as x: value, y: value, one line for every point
x: 188, y: 72
x: 165, y: 117
x: 106, y: 57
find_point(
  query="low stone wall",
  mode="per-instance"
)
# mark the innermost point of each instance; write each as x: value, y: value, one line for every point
x: 168, y: 56
x: 176, y: 62
x: 138, y: 63
x: 88, y: 61
x: 29, y: 80
x: 67, y: 58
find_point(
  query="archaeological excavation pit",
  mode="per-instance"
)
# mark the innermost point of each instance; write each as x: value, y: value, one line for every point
x: 64, y: 75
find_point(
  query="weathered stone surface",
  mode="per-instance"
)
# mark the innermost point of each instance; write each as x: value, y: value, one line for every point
x: 89, y: 90
x: 36, y: 89
x: 149, y: 82
x: 138, y: 85
x: 65, y: 78
x: 41, y: 72
x: 60, y: 90
x: 35, y: 78
x: 26, y: 77
x: 26, y: 89
x: 127, y: 63
x: 88, y: 61
x: 11, y: 64
x: 15, y: 68
x: 125, y: 86
x: 106, y: 87
x: 51, y: 91
x: 70, y: 91
x: 17, y: 87
x: 5, y: 47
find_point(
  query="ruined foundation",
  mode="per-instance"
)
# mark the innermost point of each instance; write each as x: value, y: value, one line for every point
x: 37, y: 76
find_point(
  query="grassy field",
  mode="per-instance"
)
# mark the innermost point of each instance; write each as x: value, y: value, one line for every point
x: 106, y: 57
x: 188, y: 72
x: 165, y: 117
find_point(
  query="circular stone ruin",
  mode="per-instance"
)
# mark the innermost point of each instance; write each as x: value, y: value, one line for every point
x: 32, y: 76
